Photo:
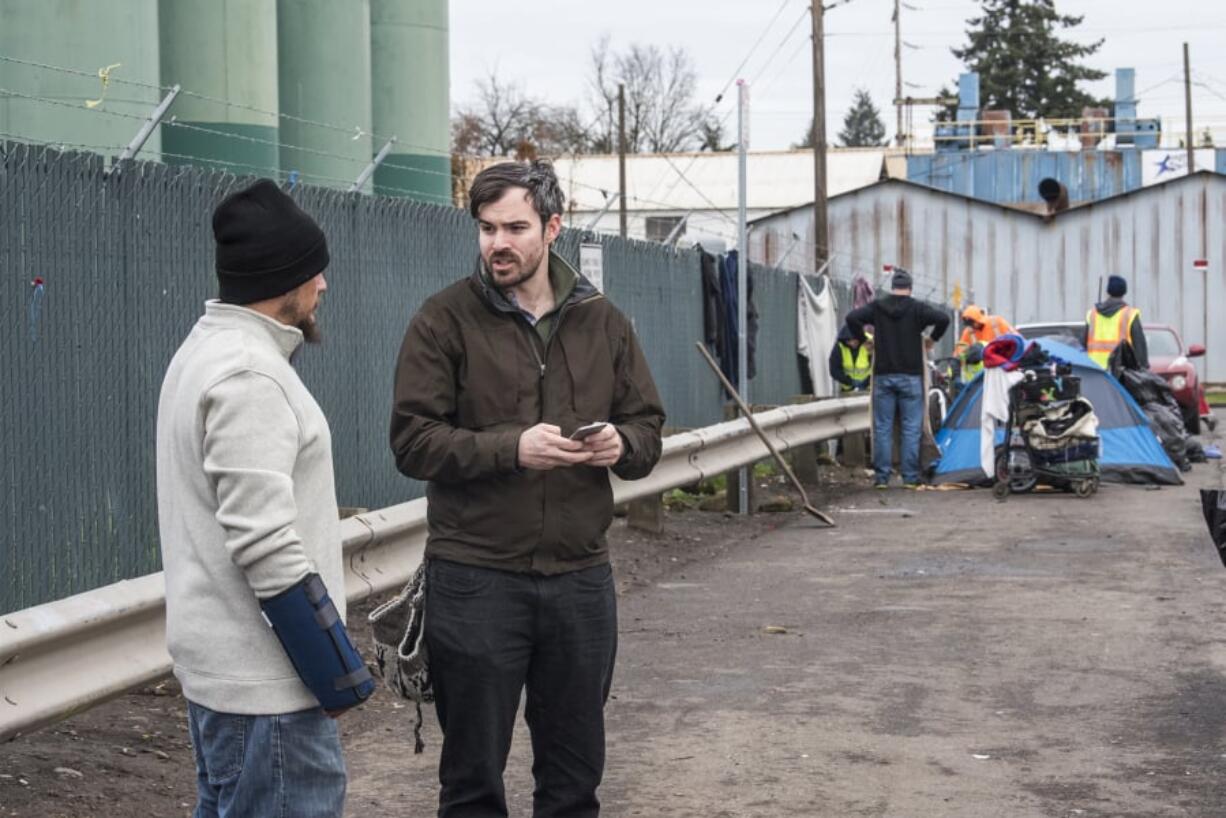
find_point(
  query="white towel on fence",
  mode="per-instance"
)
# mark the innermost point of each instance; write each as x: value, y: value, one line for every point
x: 817, y: 328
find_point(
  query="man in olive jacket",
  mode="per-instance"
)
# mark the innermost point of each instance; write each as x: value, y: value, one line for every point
x: 495, y: 375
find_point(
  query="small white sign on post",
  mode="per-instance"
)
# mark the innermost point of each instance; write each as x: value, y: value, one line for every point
x: 742, y: 88
x: 591, y: 264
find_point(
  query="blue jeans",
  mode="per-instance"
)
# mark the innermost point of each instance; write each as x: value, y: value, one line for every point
x: 284, y: 766
x: 492, y: 635
x: 903, y: 395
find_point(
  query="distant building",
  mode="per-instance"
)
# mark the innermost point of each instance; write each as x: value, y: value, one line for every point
x: 989, y: 155
x: 701, y: 188
x: 1030, y: 267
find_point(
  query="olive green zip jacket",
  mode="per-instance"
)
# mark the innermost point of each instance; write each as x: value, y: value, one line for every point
x: 472, y: 375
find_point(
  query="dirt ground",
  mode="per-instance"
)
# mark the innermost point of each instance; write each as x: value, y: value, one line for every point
x: 938, y: 654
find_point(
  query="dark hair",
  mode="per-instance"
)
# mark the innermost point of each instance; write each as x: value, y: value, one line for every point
x: 536, y: 177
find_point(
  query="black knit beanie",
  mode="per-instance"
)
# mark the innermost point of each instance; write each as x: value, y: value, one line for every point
x: 266, y: 244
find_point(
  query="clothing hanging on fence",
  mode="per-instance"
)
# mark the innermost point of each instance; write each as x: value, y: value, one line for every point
x: 862, y: 291
x: 817, y: 328
x: 728, y: 349
x: 713, y: 313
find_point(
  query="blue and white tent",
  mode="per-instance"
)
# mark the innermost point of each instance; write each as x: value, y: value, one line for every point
x: 1131, y: 452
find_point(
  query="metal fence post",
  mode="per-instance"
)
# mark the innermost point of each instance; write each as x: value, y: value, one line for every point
x: 369, y: 170
x: 146, y: 129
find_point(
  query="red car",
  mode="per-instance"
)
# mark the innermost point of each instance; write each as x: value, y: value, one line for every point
x: 1169, y: 358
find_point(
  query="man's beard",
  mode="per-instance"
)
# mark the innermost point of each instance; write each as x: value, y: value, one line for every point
x: 310, y: 330
x: 507, y: 280
x: 296, y: 316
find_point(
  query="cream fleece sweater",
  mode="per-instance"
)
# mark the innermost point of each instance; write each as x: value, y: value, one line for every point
x: 246, y: 507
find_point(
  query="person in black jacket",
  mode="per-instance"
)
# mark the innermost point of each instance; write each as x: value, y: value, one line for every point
x: 898, y: 322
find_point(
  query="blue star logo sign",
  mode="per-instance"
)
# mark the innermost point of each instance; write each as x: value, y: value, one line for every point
x: 1171, y: 163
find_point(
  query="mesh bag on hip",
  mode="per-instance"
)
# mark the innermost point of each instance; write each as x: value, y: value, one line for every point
x: 398, y: 629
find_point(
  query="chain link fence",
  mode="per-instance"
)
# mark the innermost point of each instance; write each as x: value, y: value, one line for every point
x: 102, y: 276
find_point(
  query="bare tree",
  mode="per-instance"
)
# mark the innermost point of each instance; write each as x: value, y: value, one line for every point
x: 504, y: 121
x: 661, y: 114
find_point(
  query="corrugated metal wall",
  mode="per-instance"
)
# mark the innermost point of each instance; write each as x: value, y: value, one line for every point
x: 126, y: 264
x: 1012, y: 176
x: 1029, y: 269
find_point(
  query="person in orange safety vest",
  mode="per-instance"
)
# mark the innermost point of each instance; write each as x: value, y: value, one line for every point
x: 978, y: 328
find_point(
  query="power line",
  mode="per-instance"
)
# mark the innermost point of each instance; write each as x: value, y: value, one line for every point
x: 1155, y: 86
x: 737, y: 71
x: 944, y: 33
x: 762, y: 68
x: 694, y: 187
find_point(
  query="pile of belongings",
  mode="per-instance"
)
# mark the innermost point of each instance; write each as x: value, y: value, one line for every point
x: 1013, y: 352
x: 1064, y: 433
x: 1158, y: 402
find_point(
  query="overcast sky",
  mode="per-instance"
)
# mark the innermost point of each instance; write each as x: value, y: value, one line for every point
x: 544, y: 46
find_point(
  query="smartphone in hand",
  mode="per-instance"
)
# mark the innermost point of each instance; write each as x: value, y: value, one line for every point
x: 588, y: 430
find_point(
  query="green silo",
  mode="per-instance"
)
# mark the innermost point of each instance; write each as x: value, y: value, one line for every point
x: 87, y: 37
x: 227, y: 51
x: 410, y: 97
x: 323, y: 58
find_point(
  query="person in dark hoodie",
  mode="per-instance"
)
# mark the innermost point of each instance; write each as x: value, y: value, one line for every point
x: 851, y: 362
x: 898, y: 322
x: 1113, y: 322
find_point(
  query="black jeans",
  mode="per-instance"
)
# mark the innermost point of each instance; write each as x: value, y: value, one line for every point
x: 492, y: 633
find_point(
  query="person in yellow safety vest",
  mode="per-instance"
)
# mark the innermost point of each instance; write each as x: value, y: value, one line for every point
x: 851, y: 363
x: 1113, y: 322
x: 972, y: 363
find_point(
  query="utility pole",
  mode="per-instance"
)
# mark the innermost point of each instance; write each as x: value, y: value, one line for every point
x: 742, y: 269
x: 898, y: 134
x: 821, y: 240
x: 621, y: 158
x: 1187, y: 101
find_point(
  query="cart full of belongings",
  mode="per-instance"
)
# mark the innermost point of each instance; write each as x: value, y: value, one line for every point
x: 1051, y: 430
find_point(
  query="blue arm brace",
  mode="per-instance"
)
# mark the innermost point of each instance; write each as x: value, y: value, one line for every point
x: 312, y: 633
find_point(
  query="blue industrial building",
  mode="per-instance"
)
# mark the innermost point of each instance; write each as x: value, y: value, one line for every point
x: 979, y: 158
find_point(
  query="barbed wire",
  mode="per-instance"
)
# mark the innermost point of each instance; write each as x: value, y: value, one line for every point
x: 95, y: 74
x: 197, y: 161
x: 284, y: 145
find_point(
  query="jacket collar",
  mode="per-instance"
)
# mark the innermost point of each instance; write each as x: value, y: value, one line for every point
x: 285, y: 338
x: 559, y: 268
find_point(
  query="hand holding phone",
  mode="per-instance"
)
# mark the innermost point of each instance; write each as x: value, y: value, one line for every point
x: 588, y: 430
x: 602, y: 440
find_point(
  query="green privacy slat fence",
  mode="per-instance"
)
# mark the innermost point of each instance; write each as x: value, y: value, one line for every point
x: 126, y: 265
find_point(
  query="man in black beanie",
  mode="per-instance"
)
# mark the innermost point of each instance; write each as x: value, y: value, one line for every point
x: 250, y: 533
x: 898, y: 322
x: 1112, y: 323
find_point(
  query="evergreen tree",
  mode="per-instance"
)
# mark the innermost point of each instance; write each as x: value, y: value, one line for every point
x: 862, y: 126
x: 1023, y: 65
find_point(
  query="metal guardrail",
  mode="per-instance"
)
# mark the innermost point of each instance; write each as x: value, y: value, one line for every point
x: 66, y: 656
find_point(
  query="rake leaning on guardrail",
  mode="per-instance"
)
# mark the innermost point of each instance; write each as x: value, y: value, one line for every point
x: 66, y: 656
